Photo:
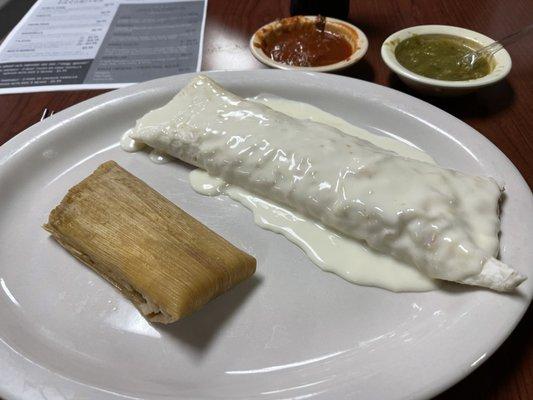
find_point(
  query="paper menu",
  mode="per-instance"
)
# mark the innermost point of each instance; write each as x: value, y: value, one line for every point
x: 83, y: 44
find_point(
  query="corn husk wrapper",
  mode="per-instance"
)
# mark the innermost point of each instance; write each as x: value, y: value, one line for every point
x: 162, y: 259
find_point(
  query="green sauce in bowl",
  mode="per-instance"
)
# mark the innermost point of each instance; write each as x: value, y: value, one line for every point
x: 437, y: 56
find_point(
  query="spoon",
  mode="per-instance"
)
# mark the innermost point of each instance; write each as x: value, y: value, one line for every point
x: 471, y: 58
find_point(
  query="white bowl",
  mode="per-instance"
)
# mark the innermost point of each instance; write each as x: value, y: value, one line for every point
x: 352, y: 33
x: 501, y: 62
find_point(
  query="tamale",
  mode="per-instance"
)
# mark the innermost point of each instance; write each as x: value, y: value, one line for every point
x: 162, y: 259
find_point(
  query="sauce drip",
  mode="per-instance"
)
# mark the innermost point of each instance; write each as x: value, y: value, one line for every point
x: 306, y: 44
x: 438, y: 56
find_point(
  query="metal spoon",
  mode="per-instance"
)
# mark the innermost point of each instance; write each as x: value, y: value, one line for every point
x: 470, y: 59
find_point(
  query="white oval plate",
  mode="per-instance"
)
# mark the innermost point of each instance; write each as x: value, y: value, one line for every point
x: 292, y: 331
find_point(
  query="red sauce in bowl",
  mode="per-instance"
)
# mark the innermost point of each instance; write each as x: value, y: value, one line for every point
x: 306, y: 44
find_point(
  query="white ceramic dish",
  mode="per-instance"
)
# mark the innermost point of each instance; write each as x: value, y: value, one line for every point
x: 501, y: 62
x: 351, y: 32
x: 293, y: 331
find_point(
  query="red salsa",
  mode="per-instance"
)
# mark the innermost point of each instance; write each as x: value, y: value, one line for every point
x: 306, y: 44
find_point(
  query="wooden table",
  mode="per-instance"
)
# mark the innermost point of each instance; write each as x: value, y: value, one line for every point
x: 503, y: 113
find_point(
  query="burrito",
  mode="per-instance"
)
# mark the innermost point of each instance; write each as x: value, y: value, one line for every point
x: 443, y: 222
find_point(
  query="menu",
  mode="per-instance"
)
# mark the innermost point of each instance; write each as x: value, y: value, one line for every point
x: 96, y: 44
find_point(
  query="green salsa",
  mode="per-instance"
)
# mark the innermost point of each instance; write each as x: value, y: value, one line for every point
x: 438, y: 56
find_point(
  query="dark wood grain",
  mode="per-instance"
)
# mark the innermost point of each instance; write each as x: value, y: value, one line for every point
x: 503, y: 113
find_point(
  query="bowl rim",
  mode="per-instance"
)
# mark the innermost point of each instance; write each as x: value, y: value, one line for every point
x: 362, y: 42
x: 502, y: 58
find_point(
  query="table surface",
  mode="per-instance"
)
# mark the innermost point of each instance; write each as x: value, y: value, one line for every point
x: 502, y: 113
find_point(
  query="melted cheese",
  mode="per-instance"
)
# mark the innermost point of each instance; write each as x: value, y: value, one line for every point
x: 443, y: 222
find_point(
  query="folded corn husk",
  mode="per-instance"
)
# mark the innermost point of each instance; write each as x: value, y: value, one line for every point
x: 162, y: 259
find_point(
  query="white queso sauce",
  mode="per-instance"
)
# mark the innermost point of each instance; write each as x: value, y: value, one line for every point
x: 348, y: 258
